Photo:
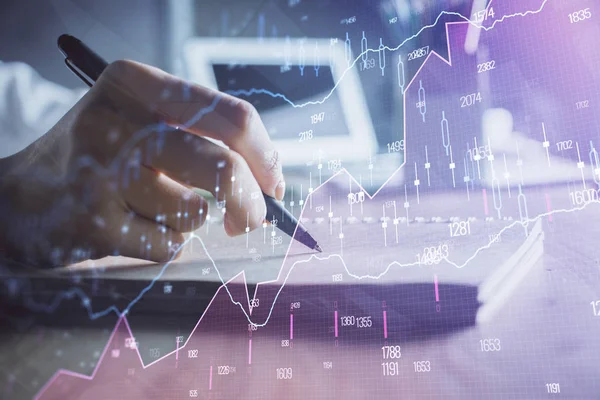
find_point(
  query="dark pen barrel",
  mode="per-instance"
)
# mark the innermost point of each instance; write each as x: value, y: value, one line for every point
x: 81, y: 59
x: 82, y: 56
x: 287, y: 223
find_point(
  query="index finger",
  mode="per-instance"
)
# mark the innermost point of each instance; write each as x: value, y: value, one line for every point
x: 202, y: 111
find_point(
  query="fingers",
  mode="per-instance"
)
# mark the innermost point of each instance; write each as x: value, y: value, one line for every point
x: 201, y: 111
x: 159, y: 198
x: 142, y: 238
x: 201, y: 163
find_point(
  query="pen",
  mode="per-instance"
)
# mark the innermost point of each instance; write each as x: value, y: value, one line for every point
x: 88, y: 66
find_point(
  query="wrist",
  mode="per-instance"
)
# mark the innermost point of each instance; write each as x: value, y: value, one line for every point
x: 9, y: 235
x: 20, y: 201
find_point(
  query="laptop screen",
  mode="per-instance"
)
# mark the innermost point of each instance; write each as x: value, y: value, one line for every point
x: 302, y: 114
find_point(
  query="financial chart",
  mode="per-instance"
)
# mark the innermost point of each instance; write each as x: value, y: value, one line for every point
x: 471, y: 271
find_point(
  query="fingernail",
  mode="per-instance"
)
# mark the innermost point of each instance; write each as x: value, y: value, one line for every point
x: 280, y: 190
x: 227, y: 226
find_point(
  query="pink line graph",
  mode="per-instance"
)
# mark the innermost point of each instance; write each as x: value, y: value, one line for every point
x: 123, y: 319
x: 291, y: 326
x: 335, y: 318
x: 114, y: 334
x: 485, y: 202
x: 431, y: 55
x: 385, y: 324
x: 435, y: 284
x: 249, y: 351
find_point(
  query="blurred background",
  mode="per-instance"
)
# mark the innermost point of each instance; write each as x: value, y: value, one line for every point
x: 156, y: 32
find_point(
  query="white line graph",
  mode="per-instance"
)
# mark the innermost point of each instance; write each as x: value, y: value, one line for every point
x: 123, y: 318
x: 250, y: 92
x: 315, y: 257
x: 86, y: 301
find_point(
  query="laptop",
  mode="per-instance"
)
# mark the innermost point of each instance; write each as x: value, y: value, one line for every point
x: 309, y: 96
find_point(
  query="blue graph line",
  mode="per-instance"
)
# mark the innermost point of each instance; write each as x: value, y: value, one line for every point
x: 86, y: 302
x: 254, y: 91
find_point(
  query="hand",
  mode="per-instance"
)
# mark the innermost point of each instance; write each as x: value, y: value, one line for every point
x: 114, y: 176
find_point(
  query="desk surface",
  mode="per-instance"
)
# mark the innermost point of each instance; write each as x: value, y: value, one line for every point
x: 546, y: 327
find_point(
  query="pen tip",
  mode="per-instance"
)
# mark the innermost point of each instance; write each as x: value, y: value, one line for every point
x: 318, y: 248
